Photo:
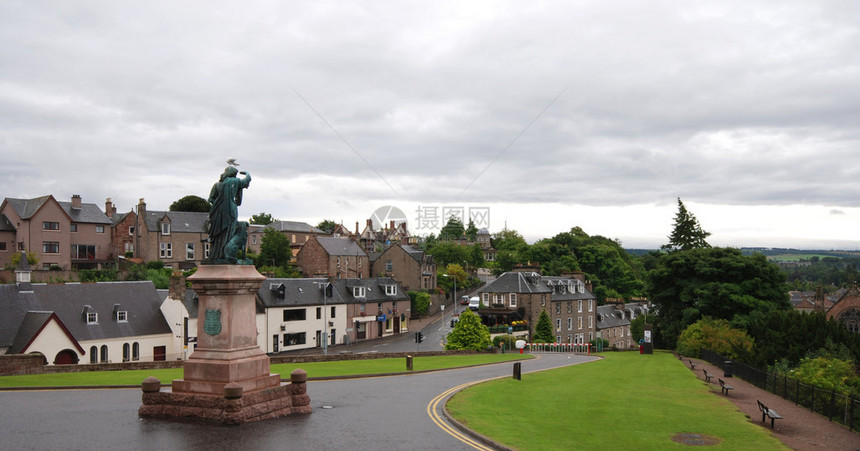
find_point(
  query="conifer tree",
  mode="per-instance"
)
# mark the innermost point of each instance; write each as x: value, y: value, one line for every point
x: 543, y: 329
x: 686, y: 232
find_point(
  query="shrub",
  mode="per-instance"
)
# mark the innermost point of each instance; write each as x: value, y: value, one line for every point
x: 509, y: 341
x: 716, y: 335
x: 420, y: 302
x: 155, y: 264
x: 469, y: 333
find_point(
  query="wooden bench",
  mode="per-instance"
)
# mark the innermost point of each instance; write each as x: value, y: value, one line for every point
x: 768, y: 413
x: 724, y: 388
x: 708, y: 376
x: 693, y: 364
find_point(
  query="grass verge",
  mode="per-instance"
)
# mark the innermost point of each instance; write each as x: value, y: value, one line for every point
x: 626, y: 401
x: 314, y: 369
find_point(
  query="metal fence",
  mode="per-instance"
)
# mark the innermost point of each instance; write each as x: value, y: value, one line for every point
x: 835, y: 406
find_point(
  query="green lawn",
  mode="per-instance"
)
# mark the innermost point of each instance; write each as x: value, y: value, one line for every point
x: 626, y: 401
x: 314, y: 369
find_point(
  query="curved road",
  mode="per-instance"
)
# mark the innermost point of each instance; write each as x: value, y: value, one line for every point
x: 396, y: 412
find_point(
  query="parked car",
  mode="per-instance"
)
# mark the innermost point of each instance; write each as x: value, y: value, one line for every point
x: 474, y: 302
x: 464, y: 300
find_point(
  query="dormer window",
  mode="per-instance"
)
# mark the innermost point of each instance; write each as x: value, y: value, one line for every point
x: 359, y: 292
x: 391, y: 290
x: 122, y: 316
x: 92, y: 318
x: 165, y: 228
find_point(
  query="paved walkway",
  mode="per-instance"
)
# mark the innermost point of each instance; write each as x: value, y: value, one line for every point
x: 800, y: 428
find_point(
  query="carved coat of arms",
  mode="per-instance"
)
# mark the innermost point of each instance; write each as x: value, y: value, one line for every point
x: 212, y: 323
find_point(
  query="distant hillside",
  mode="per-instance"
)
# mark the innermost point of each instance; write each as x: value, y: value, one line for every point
x: 778, y: 254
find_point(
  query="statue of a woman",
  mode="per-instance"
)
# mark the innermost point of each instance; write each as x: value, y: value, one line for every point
x: 225, y: 197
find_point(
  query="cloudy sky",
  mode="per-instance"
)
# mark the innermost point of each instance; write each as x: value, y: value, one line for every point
x: 548, y: 115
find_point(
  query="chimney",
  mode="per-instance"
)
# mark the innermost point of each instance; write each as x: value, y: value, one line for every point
x: 110, y: 209
x: 356, y: 227
x: 392, y: 225
x: 22, y: 273
x: 76, y: 201
x: 141, y: 208
x: 177, y: 286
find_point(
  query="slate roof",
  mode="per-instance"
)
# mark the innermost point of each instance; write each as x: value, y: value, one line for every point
x: 608, y: 316
x: 294, y: 226
x: 413, y: 252
x: 32, y: 323
x: 374, y: 290
x: 517, y: 282
x: 5, y: 224
x: 296, y: 292
x: 180, y: 221
x: 139, y: 299
x: 553, y: 283
x: 88, y: 213
x: 25, y: 208
x: 340, y: 246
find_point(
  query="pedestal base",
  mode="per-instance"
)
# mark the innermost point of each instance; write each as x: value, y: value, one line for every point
x: 232, y: 407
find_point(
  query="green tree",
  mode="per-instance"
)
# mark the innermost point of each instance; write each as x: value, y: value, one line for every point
x: 274, y: 249
x: 327, y: 225
x: 508, y: 240
x: 476, y: 256
x: 471, y: 231
x: 543, y: 329
x: 446, y: 252
x: 420, y: 302
x: 718, y: 336
x: 686, y: 232
x: 469, y: 333
x: 453, y: 230
x: 828, y: 373
x: 262, y: 218
x: 191, y: 203
x: 15, y: 258
x: 718, y: 282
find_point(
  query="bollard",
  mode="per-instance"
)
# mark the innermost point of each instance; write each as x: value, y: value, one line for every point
x: 518, y: 367
x: 408, y: 363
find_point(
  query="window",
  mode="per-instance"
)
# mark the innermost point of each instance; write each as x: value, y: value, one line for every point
x: 319, y: 312
x: 486, y: 298
x: 135, y: 351
x: 359, y: 292
x: 131, y: 230
x: 92, y: 318
x: 295, y: 315
x: 100, y: 229
x: 206, y: 250
x: 122, y: 316
x: 50, y: 247
x: 48, y: 225
x: 543, y: 300
x: 94, y: 354
x: 254, y: 239
x: 570, y: 338
x: 513, y: 300
x: 391, y: 290
x: 579, y: 322
x: 165, y: 228
x: 2, y: 245
x: 558, y: 324
x: 83, y: 252
x: 126, y: 352
x: 590, y: 322
x: 569, y: 307
x: 189, y: 251
x: 73, y: 227
x: 332, y: 312
x: 558, y: 309
x: 294, y: 339
x: 590, y: 305
x: 579, y: 306
x: 104, y: 354
x: 570, y: 324
x: 388, y: 266
x: 165, y: 250
x: 129, y: 247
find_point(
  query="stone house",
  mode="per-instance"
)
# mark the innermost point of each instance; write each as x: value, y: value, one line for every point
x: 337, y: 258
x: 409, y: 266
x: 613, y: 322
x: 177, y: 238
x: 573, y: 308
x: 69, y: 235
x: 122, y: 234
x: 376, y: 307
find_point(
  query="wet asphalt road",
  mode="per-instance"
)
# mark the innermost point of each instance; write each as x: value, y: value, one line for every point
x: 388, y: 413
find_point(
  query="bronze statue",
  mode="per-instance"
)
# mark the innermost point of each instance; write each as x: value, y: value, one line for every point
x: 225, y: 197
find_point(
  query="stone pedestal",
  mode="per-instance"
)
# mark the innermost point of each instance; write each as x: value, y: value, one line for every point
x: 227, y: 378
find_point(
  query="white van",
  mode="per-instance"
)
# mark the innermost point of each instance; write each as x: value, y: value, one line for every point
x: 474, y: 302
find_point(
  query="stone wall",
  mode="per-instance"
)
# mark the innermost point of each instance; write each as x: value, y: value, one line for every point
x: 15, y: 364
